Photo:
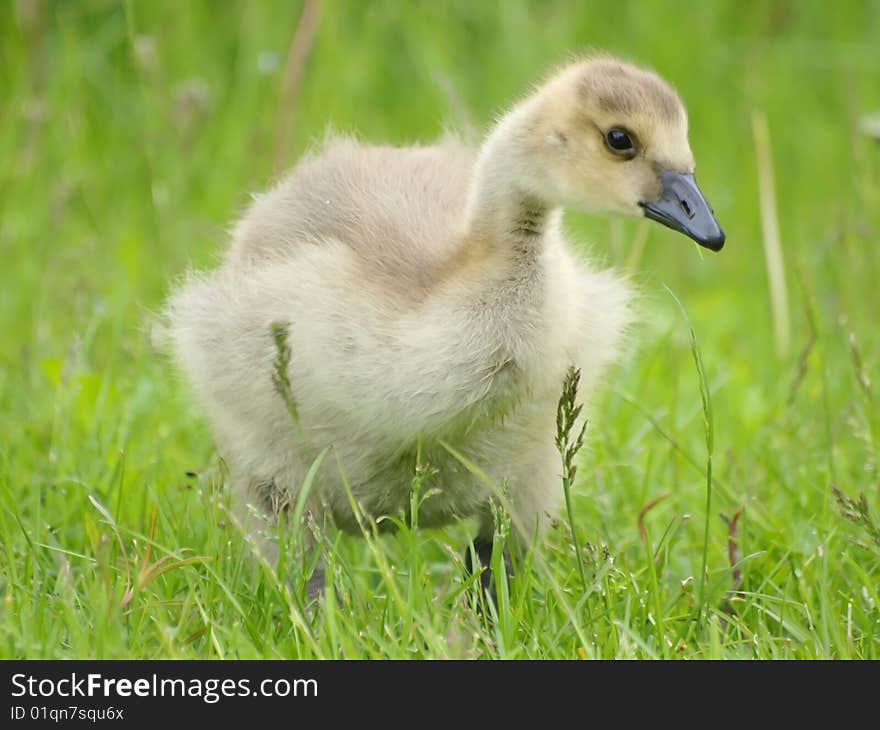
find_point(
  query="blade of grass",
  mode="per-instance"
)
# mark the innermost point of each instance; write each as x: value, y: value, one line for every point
x: 771, y: 239
x: 708, y: 424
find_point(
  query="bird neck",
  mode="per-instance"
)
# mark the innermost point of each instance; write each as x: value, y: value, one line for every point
x: 509, y: 219
x: 502, y: 211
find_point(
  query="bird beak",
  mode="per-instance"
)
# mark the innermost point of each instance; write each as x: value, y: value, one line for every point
x: 682, y: 207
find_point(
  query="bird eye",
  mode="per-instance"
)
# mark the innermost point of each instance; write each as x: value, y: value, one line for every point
x: 620, y: 142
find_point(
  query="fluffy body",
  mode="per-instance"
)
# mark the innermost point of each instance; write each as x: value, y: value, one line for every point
x: 430, y: 298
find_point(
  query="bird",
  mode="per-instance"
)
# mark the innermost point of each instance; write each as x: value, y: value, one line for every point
x: 383, y: 308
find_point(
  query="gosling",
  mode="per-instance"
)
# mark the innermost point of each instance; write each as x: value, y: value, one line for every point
x: 431, y: 307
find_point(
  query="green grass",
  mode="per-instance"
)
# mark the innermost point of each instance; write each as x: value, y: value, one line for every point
x: 132, y: 133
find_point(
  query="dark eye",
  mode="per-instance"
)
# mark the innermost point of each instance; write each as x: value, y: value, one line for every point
x: 620, y: 142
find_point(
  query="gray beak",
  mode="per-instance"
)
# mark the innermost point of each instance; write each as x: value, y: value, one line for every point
x: 682, y: 207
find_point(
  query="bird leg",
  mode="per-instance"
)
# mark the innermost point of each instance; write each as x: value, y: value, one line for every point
x: 315, y: 584
x: 483, y: 550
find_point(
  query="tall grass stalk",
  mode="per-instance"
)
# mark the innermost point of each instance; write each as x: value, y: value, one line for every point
x: 709, y: 429
x: 771, y: 238
x: 569, y: 442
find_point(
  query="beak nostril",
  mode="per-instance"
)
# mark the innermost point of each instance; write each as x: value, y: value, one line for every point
x: 683, y: 208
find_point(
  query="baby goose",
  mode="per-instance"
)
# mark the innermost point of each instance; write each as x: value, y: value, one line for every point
x: 432, y: 304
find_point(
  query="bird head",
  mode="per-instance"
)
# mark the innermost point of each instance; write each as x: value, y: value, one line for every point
x: 604, y: 136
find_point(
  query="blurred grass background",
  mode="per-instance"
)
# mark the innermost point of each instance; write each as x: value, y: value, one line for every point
x: 131, y: 135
